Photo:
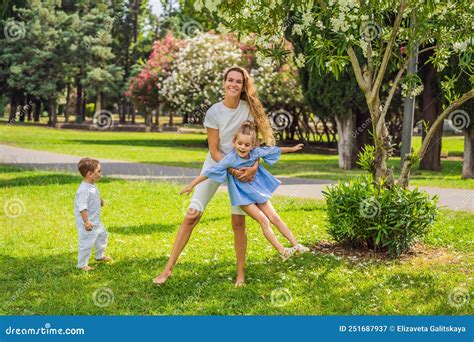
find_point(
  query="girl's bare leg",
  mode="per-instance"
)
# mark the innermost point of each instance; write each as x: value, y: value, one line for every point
x: 253, y: 211
x: 240, y: 244
x: 182, y: 237
x: 272, y: 215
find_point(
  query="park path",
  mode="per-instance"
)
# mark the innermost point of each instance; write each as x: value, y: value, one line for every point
x: 456, y: 199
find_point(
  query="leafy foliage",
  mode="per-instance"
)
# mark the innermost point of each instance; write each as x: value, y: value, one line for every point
x: 363, y: 215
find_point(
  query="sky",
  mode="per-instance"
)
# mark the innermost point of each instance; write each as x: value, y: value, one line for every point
x: 156, y: 6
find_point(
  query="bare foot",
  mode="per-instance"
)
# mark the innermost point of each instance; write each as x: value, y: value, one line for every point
x: 161, y: 279
x: 104, y: 259
x: 240, y: 281
x: 87, y: 268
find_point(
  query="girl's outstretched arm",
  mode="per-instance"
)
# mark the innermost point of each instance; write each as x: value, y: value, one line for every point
x: 291, y: 149
x: 189, y: 188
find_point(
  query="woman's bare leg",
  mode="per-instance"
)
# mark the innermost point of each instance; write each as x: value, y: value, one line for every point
x: 182, y: 237
x: 274, y: 218
x: 240, y: 245
x: 253, y: 211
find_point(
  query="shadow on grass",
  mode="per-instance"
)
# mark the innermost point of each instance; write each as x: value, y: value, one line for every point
x: 50, y: 179
x: 51, y: 285
x: 198, y: 143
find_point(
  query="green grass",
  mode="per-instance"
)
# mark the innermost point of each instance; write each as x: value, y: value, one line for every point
x: 38, y: 255
x: 189, y: 150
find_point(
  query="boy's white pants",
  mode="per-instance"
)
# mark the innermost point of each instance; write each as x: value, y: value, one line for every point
x: 87, y: 239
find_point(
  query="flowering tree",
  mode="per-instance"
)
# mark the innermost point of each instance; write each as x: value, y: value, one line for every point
x: 280, y: 91
x: 366, y: 35
x: 195, y: 78
x: 145, y: 89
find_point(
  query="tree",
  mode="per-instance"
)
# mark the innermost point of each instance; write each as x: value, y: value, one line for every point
x: 37, y: 62
x: 195, y: 79
x: 430, y: 106
x: 334, y: 98
x: 367, y: 36
x: 91, y: 56
x: 145, y: 89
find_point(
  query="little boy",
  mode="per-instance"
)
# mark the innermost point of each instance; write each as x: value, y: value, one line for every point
x: 87, y: 205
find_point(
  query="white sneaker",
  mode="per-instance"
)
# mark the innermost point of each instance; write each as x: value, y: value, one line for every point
x: 301, y: 249
x: 288, y: 252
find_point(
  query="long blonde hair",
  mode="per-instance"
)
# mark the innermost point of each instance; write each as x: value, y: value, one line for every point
x: 249, y: 94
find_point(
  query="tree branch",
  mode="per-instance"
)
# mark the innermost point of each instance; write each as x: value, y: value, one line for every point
x: 409, y: 158
x: 391, y: 93
x: 439, y: 120
x: 357, y: 70
x: 388, y: 50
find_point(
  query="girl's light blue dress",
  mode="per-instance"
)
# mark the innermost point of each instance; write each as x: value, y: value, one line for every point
x: 260, y: 189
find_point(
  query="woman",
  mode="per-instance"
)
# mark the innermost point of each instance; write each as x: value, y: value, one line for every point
x: 222, y: 120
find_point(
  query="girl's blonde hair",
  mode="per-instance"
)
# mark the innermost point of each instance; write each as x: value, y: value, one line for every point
x: 247, y: 128
x: 249, y: 94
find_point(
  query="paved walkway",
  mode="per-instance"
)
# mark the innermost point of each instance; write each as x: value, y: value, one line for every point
x: 457, y: 199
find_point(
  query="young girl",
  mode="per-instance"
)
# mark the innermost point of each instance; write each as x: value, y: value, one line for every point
x: 253, y: 197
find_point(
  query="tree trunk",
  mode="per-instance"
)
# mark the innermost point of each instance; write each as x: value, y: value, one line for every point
x: 431, y: 109
x: 346, y: 143
x: 79, y: 116
x: 68, y: 100
x: 29, y: 109
x: 468, y: 165
x: 98, y: 103
x: 157, y: 116
x: 13, y: 105
x: 52, y: 111
x: 134, y: 113
x: 363, y: 122
x: 123, y: 111
x: 83, y: 106
x: 171, y: 119
x: 382, y: 143
x: 37, y: 112
x: 148, y: 118
x: 21, y: 117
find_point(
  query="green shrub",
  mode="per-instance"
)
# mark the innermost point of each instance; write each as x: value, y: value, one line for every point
x: 90, y: 110
x: 362, y: 215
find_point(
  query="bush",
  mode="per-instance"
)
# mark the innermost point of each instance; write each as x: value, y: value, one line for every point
x: 90, y: 110
x: 363, y: 215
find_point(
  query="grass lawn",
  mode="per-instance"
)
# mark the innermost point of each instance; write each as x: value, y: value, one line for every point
x: 189, y: 150
x: 38, y: 255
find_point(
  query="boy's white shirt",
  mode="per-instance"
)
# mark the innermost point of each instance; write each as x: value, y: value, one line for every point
x: 227, y: 121
x: 87, y: 197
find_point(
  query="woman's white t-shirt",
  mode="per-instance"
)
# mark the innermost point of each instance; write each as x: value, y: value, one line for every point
x: 226, y: 120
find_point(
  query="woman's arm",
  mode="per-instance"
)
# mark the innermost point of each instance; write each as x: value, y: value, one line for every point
x: 213, y: 142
